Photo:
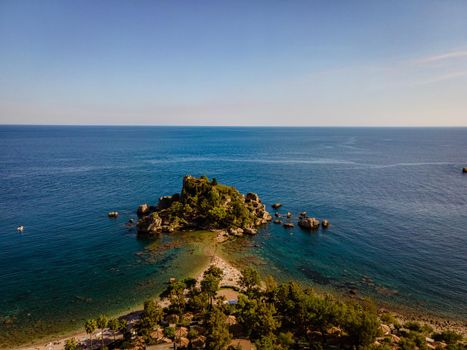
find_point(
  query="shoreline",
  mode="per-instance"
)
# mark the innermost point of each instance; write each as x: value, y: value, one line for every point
x: 230, y: 281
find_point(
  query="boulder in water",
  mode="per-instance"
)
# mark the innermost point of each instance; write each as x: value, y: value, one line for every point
x: 308, y: 223
x: 276, y: 205
x: 288, y: 225
x: 464, y: 170
x: 325, y: 223
x: 143, y: 209
x: 250, y: 231
x: 112, y: 214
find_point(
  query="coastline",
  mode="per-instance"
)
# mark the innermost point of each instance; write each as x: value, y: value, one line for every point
x: 230, y: 279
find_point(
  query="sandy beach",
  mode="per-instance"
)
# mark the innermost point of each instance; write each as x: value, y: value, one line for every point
x: 230, y: 279
x: 228, y: 284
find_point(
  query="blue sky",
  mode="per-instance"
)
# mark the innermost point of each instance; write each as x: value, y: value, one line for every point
x: 336, y: 63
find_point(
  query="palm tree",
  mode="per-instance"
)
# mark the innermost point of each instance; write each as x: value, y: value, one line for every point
x: 90, y: 327
x: 102, y: 322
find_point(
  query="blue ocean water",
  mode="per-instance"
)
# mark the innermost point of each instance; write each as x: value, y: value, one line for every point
x: 396, y: 199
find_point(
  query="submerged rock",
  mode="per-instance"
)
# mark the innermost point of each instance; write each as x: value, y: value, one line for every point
x: 288, y: 225
x: 277, y: 221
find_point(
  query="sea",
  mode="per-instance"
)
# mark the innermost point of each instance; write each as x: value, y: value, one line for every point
x: 396, y: 200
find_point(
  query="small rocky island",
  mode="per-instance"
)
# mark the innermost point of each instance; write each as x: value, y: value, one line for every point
x: 203, y: 204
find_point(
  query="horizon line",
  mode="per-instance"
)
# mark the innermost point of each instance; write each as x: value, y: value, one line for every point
x: 240, y: 126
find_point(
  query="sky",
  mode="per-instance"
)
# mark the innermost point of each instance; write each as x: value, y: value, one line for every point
x: 253, y: 62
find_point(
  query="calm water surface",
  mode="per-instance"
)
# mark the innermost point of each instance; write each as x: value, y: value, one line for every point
x: 396, y: 199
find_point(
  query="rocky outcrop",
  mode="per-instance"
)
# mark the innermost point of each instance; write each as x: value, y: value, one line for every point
x: 150, y: 224
x: 204, y: 204
x: 308, y: 223
x: 143, y: 209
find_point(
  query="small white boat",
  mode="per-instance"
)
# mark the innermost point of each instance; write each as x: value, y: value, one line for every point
x: 20, y: 229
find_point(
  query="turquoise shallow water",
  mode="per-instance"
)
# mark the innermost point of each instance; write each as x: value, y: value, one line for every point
x: 396, y: 199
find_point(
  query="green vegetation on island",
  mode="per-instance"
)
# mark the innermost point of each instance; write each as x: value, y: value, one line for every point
x: 203, y: 204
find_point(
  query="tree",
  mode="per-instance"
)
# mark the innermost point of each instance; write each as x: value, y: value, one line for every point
x: 257, y: 317
x: 249, y: 280
x: 177, y: 297
x: 90, y: 326
x: 151, y: 317
x: 214, y: 271
x: 361, y: 324
x: 217, y: 332
x: 102, y: 322
x: 322, y: 313
x: 114, y: 325
x: 210, y: 286
x: 71, y: 344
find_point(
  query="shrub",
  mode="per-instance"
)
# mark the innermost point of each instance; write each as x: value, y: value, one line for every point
x: 450, y: 337
x: 169, y: 332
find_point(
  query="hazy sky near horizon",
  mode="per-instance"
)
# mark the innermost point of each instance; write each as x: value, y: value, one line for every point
x: 323, y: 63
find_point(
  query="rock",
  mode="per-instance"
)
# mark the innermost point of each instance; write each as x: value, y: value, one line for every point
x: 252, y: 197
x: 289, y: 214
x: 277, y: 215
x: 131, y: 221
x: 276, y: 205
x: 277, y: 222
x: 150, y: 224
x: 308, y: 223
x: 250, y: 231
x: 385, y: 329
x: 464, y: 170
x: 112, y: 214
x: 165, y: 202
x: 288, y: 225
x: 325, y: 223
x: 143, y: 209
x: 303, y: 214
x: 395, y: 338
x: 236, y: 231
